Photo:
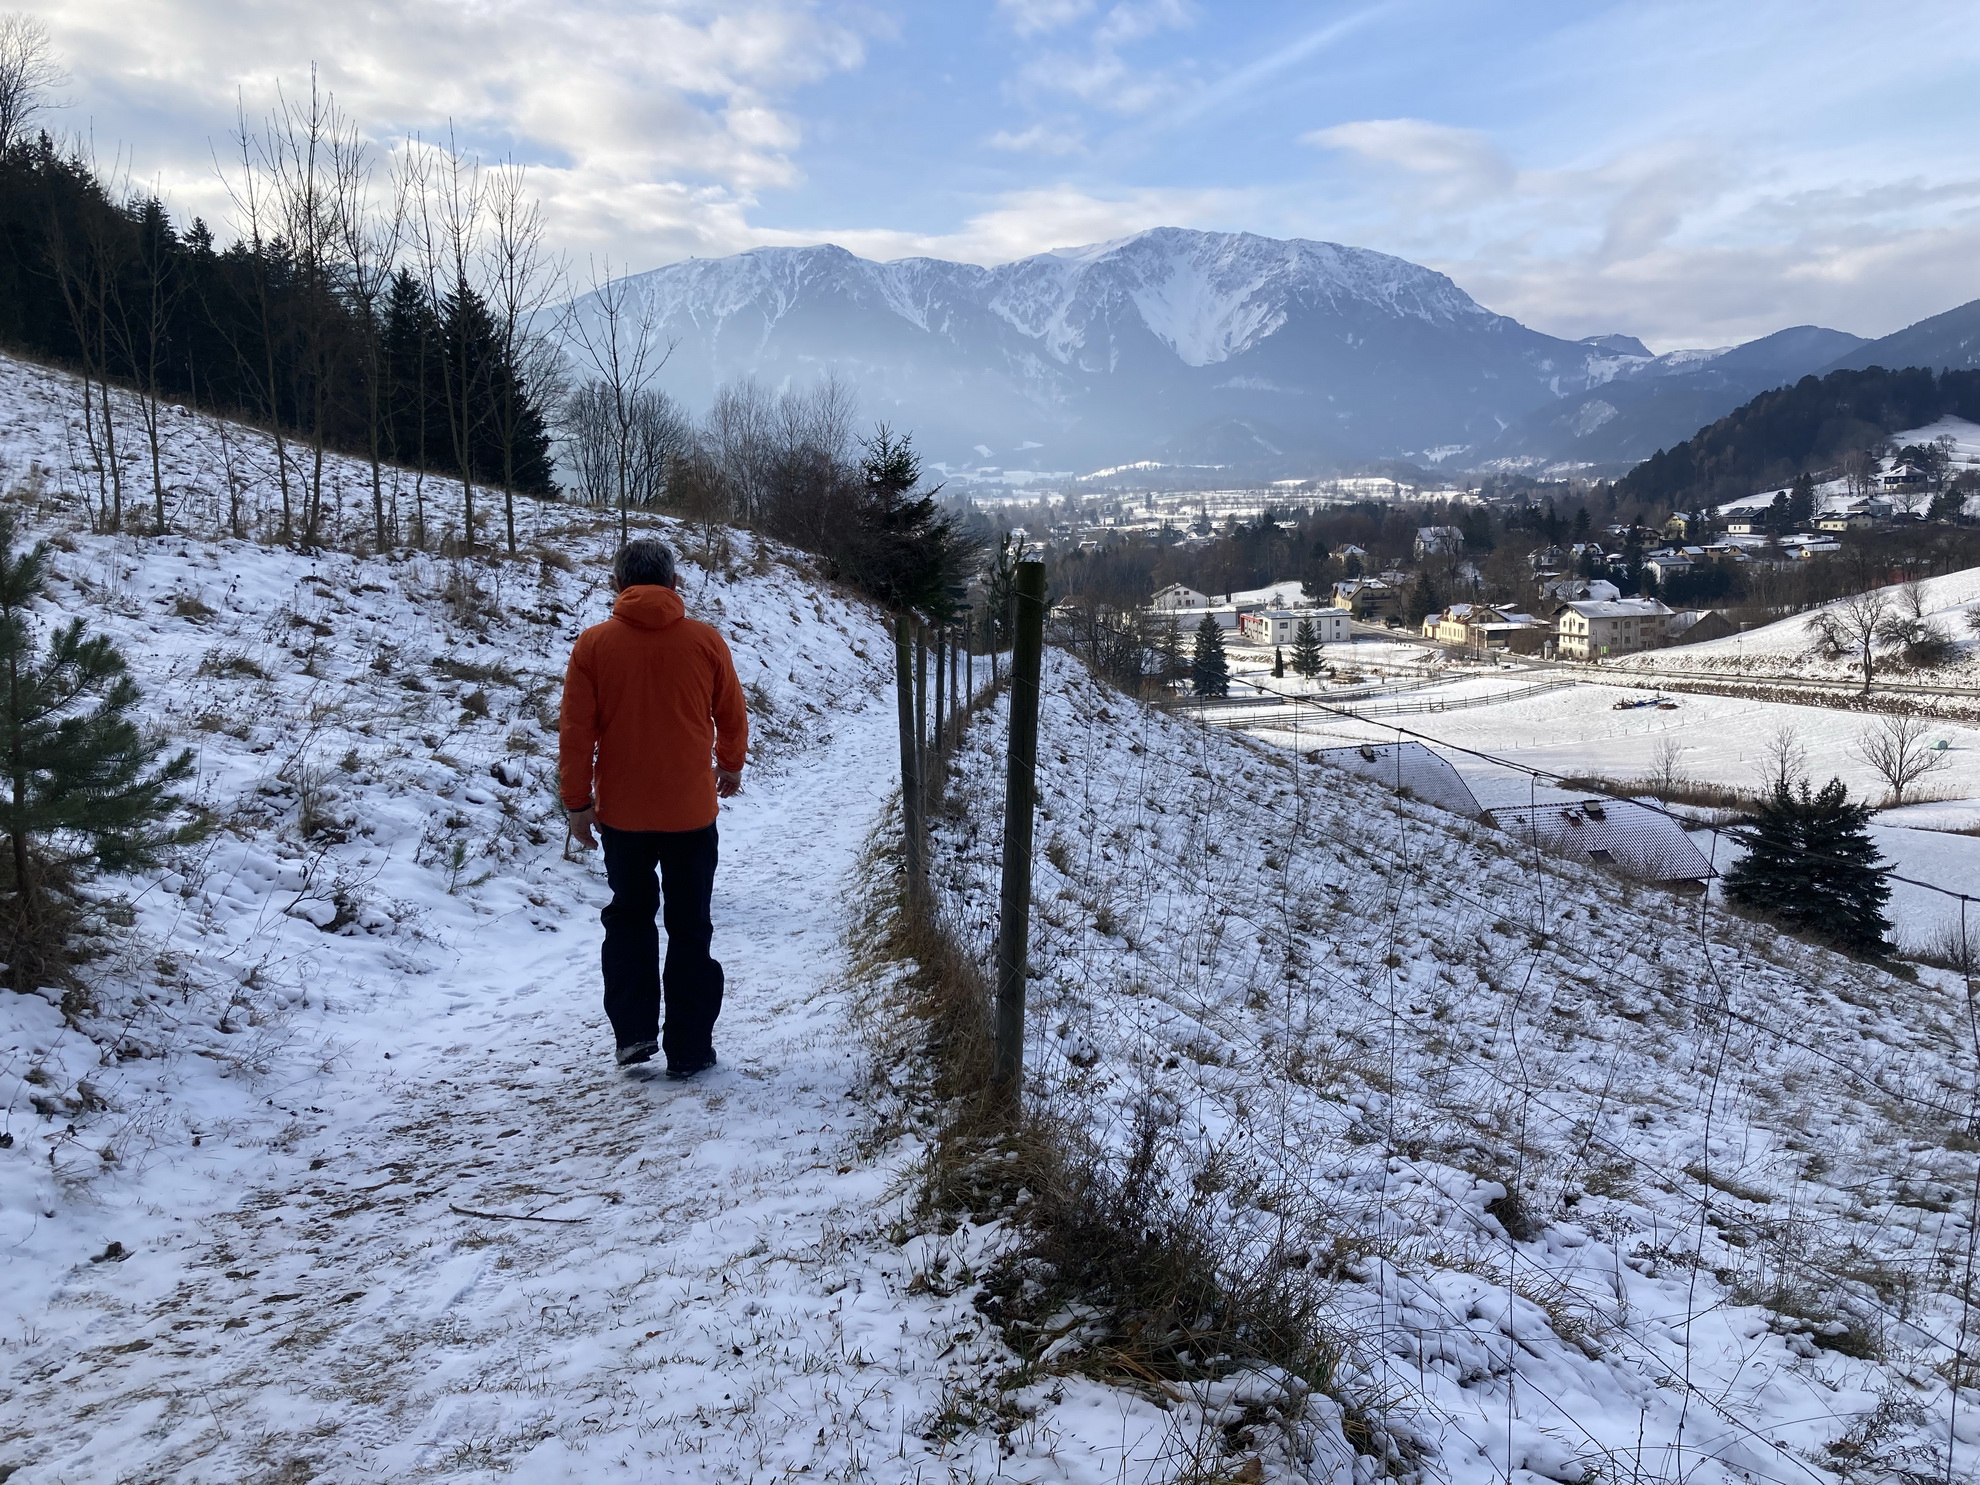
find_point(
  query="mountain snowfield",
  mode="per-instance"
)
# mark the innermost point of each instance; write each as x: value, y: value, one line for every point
x: 334, y: 1180
x: 1263, y: 354
x: 1102, y: 353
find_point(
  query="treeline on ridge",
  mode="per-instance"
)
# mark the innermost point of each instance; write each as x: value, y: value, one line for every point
x: 383, y: 333
x: 1813, y: 425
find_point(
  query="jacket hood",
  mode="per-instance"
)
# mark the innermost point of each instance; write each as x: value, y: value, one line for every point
x: 649, y: 606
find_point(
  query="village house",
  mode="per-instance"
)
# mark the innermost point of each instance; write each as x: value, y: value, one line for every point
x: 1448, y: 627
x: 1572, y: 590
x: 1177, y: 599
x: 1479, y: 627
x: 1590, y: 630
x: 1666, y: 565
x: 1847, y: 520
x: 1368, y: 599
x: 1438, y: 541
x: 1690, y: 626
x: 1281, y: 626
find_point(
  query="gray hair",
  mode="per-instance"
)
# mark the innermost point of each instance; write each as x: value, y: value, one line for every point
x: 644, y: 561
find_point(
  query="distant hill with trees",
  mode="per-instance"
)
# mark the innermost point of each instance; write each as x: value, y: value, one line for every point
x: 1808, y: 426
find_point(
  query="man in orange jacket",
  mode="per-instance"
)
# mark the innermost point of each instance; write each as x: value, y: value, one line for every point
x: 653, y: 731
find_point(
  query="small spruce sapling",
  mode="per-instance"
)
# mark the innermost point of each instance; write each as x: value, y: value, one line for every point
x: 1278, y: 663
x: 1210, y: 669
x: 85, y: 787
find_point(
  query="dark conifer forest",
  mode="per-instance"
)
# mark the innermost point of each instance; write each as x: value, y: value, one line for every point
x: 1814, y: 424
x: 319, y: 322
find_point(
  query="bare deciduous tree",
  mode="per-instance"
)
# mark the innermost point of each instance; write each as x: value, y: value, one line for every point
x: 1667, y: 765
x: 1859, y: 467
x: 84, y: 258
x: 614, y: 335
x: 1783, y: 759
x: 1897, y: 750
x: 370, y: 235
x: 450, y: 223
x: 1853, y: 628
x: 625, y: 460
x: 28, y: 74
x: 523, y: 279
x: 258, y: 347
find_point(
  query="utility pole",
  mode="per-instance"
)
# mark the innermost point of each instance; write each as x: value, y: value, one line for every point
x: 1020, y: 795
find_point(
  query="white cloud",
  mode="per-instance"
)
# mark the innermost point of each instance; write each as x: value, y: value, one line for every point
x: 1039, y: 139
x: 1462, y: 161
x: 648, y: 131
x: 1036, y: 17
x: 1682, y: 241
x: 1098, y: 75
x: 1035, y: 221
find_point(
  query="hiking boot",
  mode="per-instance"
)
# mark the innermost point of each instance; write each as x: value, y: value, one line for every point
x: 688, y: 1069
x: 634, y: 1053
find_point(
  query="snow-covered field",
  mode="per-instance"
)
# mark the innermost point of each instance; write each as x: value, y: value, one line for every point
x: 1576, y: 731
x: 1594, y: 1181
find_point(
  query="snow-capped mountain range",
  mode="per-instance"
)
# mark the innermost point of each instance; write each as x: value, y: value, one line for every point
x: 1170, y: 344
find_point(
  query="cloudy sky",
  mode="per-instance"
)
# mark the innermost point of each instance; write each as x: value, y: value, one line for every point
x: 1693, y: 173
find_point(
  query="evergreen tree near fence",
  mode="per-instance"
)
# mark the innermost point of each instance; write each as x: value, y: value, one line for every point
x: 1210, y: 668
x: 1812, y: 865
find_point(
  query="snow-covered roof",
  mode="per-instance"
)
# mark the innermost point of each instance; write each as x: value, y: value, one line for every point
x: 1409, y: 768
x: 1617, y: 608
x: 1637, y: 839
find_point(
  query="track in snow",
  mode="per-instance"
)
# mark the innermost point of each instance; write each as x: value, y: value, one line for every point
x: 688, y: 1295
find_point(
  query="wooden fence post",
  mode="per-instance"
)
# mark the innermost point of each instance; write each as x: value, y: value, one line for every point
x: 1020, y: 796
x: 939, y: 732
x: 917, y: 865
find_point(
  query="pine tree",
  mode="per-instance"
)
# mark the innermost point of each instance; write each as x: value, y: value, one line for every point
x: 1801, y: 500
x: 1306, y: 649
x: 1811, y: 864
x: 1422, y: 600
x: 85, y: 788
x: 1278, y: 663
x: 1209, y: 669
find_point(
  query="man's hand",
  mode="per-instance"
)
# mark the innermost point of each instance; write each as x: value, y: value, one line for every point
x: 728, y: 782
x: 579, y: 823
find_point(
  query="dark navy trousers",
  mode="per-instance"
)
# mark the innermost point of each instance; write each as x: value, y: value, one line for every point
x: 684, y: 861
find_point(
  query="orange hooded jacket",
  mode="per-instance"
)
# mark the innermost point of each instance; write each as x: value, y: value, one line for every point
x: 649, y: 695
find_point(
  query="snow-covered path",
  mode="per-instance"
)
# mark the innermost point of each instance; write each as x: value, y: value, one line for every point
x: 687, y: 1294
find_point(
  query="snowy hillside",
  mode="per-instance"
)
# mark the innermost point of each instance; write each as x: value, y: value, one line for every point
x: 1786, y: 648
x: 1593, y: 1182
x: 329, y: 1175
